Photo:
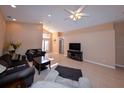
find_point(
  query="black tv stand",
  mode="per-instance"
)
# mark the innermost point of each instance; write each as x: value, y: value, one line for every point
x: 75, y: 54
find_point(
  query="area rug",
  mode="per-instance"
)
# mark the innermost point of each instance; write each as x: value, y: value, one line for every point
x: 69, y: 73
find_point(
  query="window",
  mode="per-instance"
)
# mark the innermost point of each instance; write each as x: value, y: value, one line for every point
x: 46, y: 42
x: 45, y: 45
x: 46, y: 35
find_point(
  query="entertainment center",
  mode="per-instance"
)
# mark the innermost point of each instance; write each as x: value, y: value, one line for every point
x: 74, y: 51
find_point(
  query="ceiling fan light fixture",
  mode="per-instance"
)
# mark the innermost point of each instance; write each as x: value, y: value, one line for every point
x: 74, y: 19
x: 79, y: 17
x: 14, y: 19
x: 49, y: 15
x: 77, y: 14
x: 40, y: 22
x: 13, y: 6
x: 71, y: 16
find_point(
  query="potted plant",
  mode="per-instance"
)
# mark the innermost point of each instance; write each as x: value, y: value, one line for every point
x: 12, y: 47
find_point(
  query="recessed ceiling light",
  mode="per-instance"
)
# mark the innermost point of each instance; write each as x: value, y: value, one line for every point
x: 13, y: 6
x: 49, y: 15
x: 14, y: 19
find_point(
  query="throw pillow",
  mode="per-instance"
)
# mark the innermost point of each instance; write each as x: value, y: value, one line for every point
x: 39, y: 50
x: 31, y: 51
x: 15, y: 57
x: 2, y: 68
x: 6, y: 58
x: 4, y: 63
x: 20, y: 58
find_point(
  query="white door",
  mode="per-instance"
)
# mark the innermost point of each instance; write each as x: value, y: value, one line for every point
x: 61, y: 46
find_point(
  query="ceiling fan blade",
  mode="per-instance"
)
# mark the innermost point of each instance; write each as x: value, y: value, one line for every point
x: 69, y: 11
x: 85, y: 15
x: 81, y: 8
x: 66, y: 19
x: 69, y: 17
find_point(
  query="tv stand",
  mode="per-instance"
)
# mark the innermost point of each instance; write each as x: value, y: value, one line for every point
x: 75, y: 54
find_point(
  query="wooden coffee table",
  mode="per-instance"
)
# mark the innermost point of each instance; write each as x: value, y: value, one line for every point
x: 41, y: 63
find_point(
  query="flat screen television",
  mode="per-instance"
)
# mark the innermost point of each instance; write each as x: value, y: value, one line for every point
x: 75, y: 46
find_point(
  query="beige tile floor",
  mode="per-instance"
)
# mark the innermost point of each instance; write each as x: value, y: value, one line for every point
x: 100, y: 77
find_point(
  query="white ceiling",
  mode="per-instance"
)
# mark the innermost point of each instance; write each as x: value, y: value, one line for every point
x: 98, y: 14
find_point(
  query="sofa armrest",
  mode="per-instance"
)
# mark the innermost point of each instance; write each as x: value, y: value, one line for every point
x: 27, y: 72
x: 43, y: 53
x: 14, y: 77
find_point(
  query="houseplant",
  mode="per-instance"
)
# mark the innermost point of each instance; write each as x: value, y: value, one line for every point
x: 12, y: 47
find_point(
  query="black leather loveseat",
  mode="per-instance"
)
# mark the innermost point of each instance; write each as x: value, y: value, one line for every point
x: 32, y: 53
x: 17, y: 74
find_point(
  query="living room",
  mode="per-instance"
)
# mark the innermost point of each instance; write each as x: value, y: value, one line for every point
x: 101, y: 40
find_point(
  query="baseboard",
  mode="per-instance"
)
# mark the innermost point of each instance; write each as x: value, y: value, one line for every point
x: 93, y: 62
x: 65, y: 55
x: 118, y: 65
x: 56, y: 53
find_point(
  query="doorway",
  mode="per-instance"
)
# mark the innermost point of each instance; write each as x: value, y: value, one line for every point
x: 45, y: 45
x: 61, y: 46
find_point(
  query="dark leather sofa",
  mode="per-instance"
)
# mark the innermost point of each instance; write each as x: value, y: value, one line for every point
x: 32, y: 53
x: 17, y: 74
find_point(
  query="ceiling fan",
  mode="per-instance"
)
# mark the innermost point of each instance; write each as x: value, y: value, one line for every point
x: 77, y: 14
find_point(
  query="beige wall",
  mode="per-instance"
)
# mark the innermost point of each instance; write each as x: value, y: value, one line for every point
x: 2, y: 32
x: 55, y: 42
x: 56, y: 36
x: 50, y: 39
x: 97, y: 43
x: 30, y: 35
x: 119, y: 38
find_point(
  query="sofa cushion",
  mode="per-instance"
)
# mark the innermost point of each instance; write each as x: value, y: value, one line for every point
x: 4, y: 63
x: 15, y: 57
x: 16, y: 68
x: 7, y: 58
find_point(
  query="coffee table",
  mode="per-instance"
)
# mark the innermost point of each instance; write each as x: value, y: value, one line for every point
x: 41, y: 63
